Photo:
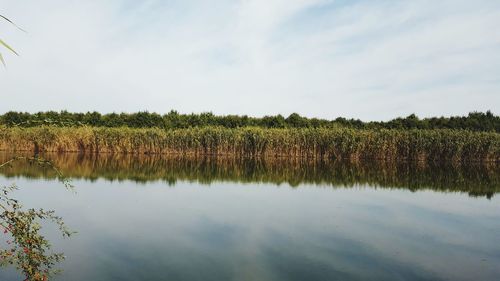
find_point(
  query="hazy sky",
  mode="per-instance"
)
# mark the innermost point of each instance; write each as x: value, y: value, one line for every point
x: 364, y: 59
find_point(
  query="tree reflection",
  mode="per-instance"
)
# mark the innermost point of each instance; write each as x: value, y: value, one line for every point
x: 25, y: 247
x: 476, y: 179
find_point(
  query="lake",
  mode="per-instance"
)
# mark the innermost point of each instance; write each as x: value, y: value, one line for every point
x: 155, y: 218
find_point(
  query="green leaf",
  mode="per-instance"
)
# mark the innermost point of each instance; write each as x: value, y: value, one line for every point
x: 11, y: 22
x: 2, y: 60
x: 8, y: 47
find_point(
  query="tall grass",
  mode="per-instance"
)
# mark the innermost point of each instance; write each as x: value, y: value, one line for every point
x: 319, y: 143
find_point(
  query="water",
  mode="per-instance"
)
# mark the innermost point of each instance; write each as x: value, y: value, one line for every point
x: 174, y: 219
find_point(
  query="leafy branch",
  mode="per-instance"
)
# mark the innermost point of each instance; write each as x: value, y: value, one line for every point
x: 26, y: 248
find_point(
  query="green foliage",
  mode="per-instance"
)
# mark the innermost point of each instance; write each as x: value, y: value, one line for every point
x: 475, y: 121
x: 4, y: 44
x: 27, y: 249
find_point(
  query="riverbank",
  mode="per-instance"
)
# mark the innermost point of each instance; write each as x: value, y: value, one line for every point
x: 319, y: 143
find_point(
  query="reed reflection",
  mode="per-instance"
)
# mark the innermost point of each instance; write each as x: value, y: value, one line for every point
x: 474, y: 179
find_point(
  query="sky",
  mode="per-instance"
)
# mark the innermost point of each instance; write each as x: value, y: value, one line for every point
x: 366, y: 59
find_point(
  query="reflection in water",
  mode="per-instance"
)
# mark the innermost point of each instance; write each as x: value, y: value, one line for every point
x: 245, y: 227
x: 475, y: 179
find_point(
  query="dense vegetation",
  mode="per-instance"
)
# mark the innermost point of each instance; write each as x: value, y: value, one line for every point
x: 475, y: 121
x: 476, y: 179
x: 317, y: 143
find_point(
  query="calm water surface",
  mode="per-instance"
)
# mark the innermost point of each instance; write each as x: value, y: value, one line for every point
x: 158, y: 219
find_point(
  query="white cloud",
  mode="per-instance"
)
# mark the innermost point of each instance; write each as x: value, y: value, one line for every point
x: 367, y: 59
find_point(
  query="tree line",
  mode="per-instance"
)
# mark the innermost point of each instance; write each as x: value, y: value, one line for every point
x: 474, y: 121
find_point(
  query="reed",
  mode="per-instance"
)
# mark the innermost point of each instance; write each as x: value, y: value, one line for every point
x: 314, y: 143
